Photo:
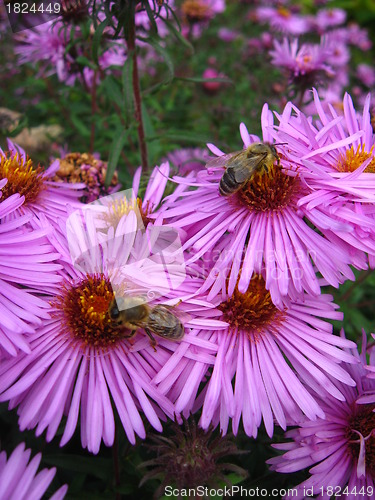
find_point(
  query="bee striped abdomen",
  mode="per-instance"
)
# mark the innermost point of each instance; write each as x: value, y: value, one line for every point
x: 165, y: 324
x: 228, y: 184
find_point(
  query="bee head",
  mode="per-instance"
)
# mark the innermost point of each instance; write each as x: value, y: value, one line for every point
x: 114, y: 312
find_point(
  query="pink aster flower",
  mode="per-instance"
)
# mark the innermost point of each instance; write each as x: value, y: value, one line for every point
x: 358, y: 36
x: 42, y: 194
x: 335, y: 154
x: 339, y: 53
x: 282, y: 19
x: 27, y: 267
x: 142, y: 19
x: 19, y: 479
x: 339, y: 449
x: 187, y: 160
x: 80, y: 361
x: 328, y: 18
x: 196, y: 15
x: 269, y: 362
x: 265, y: 224
x: 228, y: 35
x: 142, y: 200
x: 305, y: 64
x: 48, y: 46
x: 366, y: 74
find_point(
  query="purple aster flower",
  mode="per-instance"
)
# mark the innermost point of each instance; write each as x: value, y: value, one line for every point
x: 80, y: 360
x: 266, y: 226
x: 366, y: 74
x: 339, y: 54
x: 187, y: 160
x: 268, y: 363
x: 339, y: 448
x: 196, y: 15
x: 42, y: 194
x: 202, y: 10
x: 49, y: 46
x: 282, y: 19
x: 335, y: 154
x: 19, y: 478
x: 27, y: 265
x: 228, y: 35
x: 328, y: 18
x: 46, y: 44
x: 121, y: 203
x: 142, y: 21
x: 358, y: 36
x: 306, y: 64
x: 371, y: 365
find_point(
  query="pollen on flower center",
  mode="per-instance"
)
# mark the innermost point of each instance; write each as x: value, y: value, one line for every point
x: 363, y: 422
x: 122, y: 206
x: 253, y: 310
x: 22, y: 177
x: 269, y: 191
x: 194, y: 10
x: 83, y: 308
x: 354, y: 159
x: 283, y: 12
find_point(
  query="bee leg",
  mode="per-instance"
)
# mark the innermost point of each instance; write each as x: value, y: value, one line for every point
x: 152, y: 340
x: 132, y: 333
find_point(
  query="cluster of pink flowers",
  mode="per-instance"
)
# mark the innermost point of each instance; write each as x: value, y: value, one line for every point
x: 324, y: 63
x: 244, y: 271
x: 50, y: 47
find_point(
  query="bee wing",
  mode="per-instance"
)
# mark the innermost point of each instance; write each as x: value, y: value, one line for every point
x: 244, y: 167
x: 165, y: 324
x: 221, y: 161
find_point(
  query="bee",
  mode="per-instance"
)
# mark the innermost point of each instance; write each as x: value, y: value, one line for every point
x: 242, y: 165
x: 136, y: 313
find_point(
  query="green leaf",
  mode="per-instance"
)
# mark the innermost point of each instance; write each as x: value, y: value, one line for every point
x: 96, y: 40
x: 112, y: 89
x: 84, y: 61
x: 198, y: 79
x: 153, y: 146
x: 114, y: 154
x: 153, y: 26
x: 154, y: 42
x: 95, y: 466
x: 80, y: 126
x: 177, y: 33
x: 183, y: 136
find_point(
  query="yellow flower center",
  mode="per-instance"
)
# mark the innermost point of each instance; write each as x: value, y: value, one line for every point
x: 354, y: 159
x: 251, y: 311
x: 83, y: 310
x: 22, y: 177
x: 122, y: 206
x: 194, y: 10
x: 272, y: 190
x: 283, y: 12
